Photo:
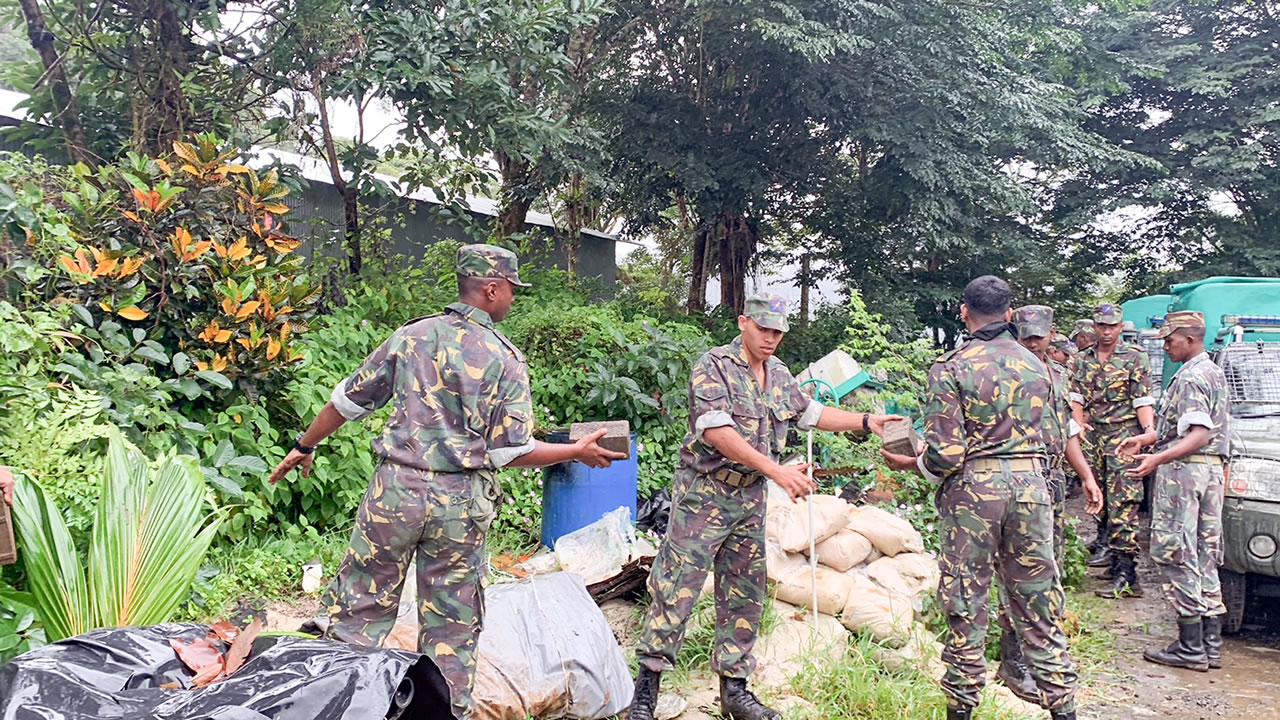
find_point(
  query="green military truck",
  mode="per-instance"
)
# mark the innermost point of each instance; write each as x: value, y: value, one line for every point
x: 1242, y: 331
x: 1147, y: 314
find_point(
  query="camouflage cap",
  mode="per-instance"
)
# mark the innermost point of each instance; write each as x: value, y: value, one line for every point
x: 1183, y: 319
x: 489, y: 261
x: 1033, y: 321
x: 1062, y: 342
x: 1129, y: 327
x: 768, y: 310
x: 1108, y: 314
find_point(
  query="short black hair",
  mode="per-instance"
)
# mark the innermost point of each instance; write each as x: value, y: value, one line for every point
x: 1193, y: 333
x: 469, y: 285
x: 987, y: 296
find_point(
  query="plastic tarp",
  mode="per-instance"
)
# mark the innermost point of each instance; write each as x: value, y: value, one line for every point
x: 118, y: 673
x: 548, y: 652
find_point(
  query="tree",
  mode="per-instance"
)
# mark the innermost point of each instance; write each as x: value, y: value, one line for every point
x: 1199, y: 98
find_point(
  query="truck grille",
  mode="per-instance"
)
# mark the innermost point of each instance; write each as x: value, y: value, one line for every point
x: 1253, y: 477
x: 1253, y: 377
x: 1155, y: 350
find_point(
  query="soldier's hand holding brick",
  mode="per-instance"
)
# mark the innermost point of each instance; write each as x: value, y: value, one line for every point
x: 6, y: 484
x: 590, y: 453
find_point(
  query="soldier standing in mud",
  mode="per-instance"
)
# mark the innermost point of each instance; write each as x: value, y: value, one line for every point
x: 1191, y: 440
x: 1111, y: 399
x: 1062, y: 442
x: 984, y: 446
x: 742, y: 401
x: 462, y: 410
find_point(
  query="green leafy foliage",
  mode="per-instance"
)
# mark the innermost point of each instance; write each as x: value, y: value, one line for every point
x: 20, y: 626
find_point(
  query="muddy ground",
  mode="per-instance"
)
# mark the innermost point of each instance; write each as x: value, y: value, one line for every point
x: 1247, y: 686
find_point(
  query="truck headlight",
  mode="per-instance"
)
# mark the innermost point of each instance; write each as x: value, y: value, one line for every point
x: 1262, y: 546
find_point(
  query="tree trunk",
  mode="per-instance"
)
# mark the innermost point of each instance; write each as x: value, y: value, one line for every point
x: 806, y: 263
x: 737, y: 243
x: 351, y: 215
x: 350, y: 192
x: 68, y: 110
x: 698, y: 274
x: 576, y: 216
x: 515, y: 200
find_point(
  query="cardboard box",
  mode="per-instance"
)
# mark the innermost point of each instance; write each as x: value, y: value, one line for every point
x: 900, y: 438
x: 617, y: 435
x: 8, y: 547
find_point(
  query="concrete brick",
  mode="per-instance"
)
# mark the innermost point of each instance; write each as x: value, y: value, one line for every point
x: 617, y: 435
x: 900, y: 438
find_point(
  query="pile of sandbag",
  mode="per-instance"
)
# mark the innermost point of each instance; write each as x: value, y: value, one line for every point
x: 872, y: 571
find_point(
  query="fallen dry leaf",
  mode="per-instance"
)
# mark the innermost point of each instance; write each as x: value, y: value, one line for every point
x: 199, y: 654
x: 225, y: 631
x: 241, y: 647
x: 209, y: 674
x: 170, y: 686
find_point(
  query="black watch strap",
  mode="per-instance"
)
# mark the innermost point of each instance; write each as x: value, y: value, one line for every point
x: 866, y: 422
x: 297, y: 445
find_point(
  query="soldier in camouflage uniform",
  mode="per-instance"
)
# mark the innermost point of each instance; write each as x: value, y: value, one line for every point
x: 742, y: 402
x: 1111, y: 399
x: 985, y: 446
x: 1191, y: 442
x: 462, y: 410
x: 1084, y: 336
x: 1062, y: 442
x: 1061, y: 349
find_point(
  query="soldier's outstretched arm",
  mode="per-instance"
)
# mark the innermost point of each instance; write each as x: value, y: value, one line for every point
x: 586, y: 450
x: 326, y: 423
x: 837, y: 420
x: 1078, y: 462
x: 791, y: 478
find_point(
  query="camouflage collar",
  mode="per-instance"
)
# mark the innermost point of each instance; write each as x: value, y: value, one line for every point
x: 472, y: 313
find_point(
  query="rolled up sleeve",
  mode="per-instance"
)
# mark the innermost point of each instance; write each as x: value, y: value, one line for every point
x: 945, y: 444
x: 370, y: 387
x: 812, y: 414
x: 709, y: 403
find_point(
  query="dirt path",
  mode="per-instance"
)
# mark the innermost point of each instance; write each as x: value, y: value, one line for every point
x: 1248, y: 685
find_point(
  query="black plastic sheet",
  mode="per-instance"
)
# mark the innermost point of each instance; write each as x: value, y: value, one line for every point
x: 654, y: 512
x: 118, y: 673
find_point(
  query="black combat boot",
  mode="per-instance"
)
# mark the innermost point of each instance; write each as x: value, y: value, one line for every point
x: 737, y: 702
x: 646, y: 695
x: 1062, y: 714
x: 1187, y: 651
x: 955, y: 713
x: 1101, y: 557
x: 1110, y: 572
x: 1124, y: 584
x: 1014, y: 671
x: 1213, y: 640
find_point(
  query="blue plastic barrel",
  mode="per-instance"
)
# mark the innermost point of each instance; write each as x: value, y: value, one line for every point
x: 575, y: 495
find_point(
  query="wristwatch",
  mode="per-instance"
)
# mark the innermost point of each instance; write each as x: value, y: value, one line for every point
x: 866, y: 422
x: 297, y: 445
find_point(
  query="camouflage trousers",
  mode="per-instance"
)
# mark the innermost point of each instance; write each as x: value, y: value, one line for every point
x: 713, y: 526
x: 407, y: 511
x: 1186, y: 535
x: 998, y: 521
x: 1123, y: 494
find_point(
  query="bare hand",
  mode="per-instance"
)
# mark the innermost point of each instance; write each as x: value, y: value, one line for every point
x: 6, y: 484
x: 591, y: 454
x: 291, y: 461
x: 1092, y: 496
x: 1147, y: 464
x: 794, y: 479
x: 876, y: 422
x: 1132, y: 446
x: 899, y: 462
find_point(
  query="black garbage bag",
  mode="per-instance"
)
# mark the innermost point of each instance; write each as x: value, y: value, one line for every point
x: 654, y: 512
x: 118, y: 673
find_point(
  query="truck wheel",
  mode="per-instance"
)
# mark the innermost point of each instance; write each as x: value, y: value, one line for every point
x: 1233, y: 596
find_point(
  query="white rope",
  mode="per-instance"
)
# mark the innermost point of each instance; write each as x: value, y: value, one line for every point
x: 813, y: 554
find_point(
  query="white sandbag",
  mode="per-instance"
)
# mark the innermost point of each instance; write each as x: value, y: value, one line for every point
x: 884, y: 572
x: 531, y: 663
x: 844, y: 550
x: 778, y: 561
x: 887, y: 616
x: 889, y: 533
x: 796, y: 587
x: 787, y: 522
x: 920, y: 572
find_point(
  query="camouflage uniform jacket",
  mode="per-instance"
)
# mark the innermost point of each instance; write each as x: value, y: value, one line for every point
x: 723, y: 392
x: 1059, y: 427
x: 1196, y: 396
x: 1112, y: 392
x: 985, y: 399
x: 461, y: 391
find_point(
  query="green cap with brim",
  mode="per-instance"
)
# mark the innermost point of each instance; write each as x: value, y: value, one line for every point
x: 489, y: 261
x: 768, y: 310
x: 1033, y: 321
x: 1181, y: 320
x: 1108, y: 314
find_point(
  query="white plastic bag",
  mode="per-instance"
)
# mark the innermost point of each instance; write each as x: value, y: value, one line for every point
x: 547, y: 652
x: 598, y: 551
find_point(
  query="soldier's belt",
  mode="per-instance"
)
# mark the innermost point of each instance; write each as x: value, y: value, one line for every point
x: 1021, y: 464
x: 735, y: 478
x: 1203, y: 459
